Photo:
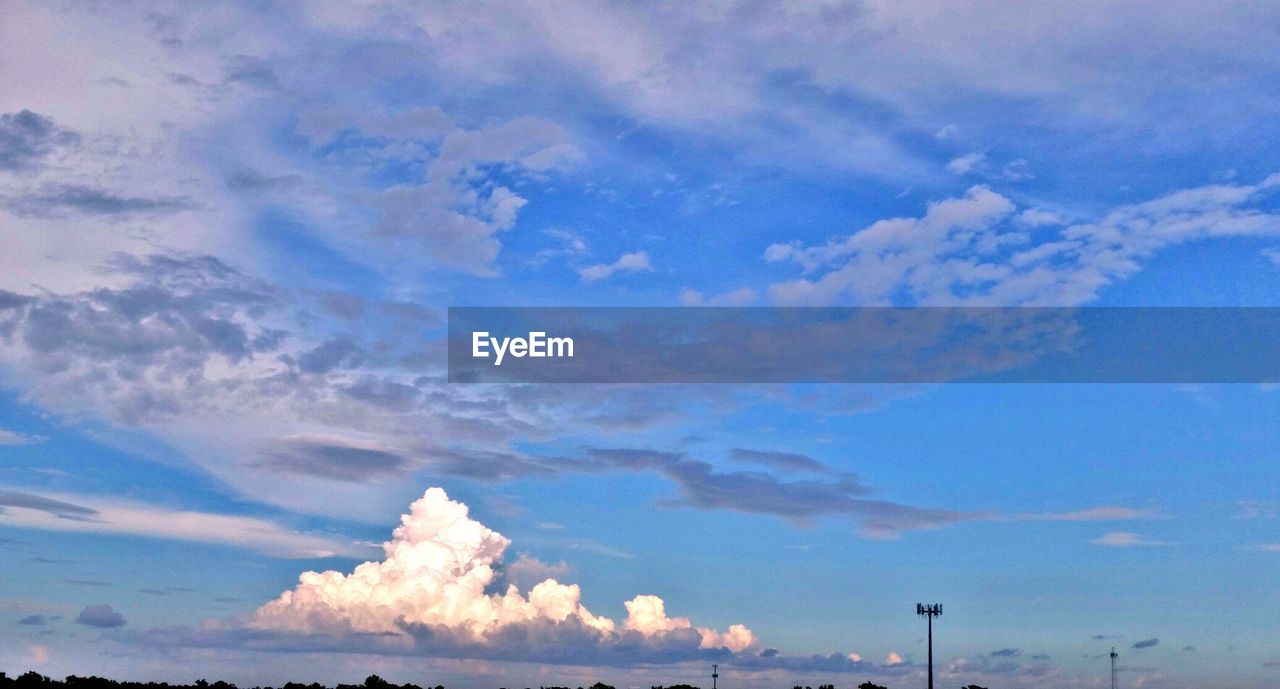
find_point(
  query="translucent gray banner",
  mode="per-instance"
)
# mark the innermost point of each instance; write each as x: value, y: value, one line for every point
x: 863, y: 345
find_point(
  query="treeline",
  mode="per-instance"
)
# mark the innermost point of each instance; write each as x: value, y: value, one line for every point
x: 35, y: 680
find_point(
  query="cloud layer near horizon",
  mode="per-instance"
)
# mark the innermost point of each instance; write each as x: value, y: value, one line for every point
x: 439, y: 591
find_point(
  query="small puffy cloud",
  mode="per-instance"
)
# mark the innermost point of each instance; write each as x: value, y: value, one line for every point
x: 636, y: 261
x: 1036, y: 217
x: 1125, y: 539
x: 1017, y: 171
x: 893, y: 659
x: 742, y: 296
x: 965, y: 164
x: 1146, y: 643
x: 102, y: 616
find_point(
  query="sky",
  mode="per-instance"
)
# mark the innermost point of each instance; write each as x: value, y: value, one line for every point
x: 229, y: 234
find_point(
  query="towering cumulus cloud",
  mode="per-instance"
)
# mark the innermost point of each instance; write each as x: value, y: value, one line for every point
x: 433, y: 587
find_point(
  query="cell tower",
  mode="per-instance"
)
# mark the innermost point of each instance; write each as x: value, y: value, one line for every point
x: 715, y: 674
x: 1114, y: 655
x: 929, y: 611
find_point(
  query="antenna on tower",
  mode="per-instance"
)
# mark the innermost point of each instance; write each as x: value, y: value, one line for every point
x: 930, y: 611
x: 1114, y: 655
x: 715, y: 674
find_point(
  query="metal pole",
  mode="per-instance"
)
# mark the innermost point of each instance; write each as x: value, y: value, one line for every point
x: 930, y: 651
x: 1113, y: 668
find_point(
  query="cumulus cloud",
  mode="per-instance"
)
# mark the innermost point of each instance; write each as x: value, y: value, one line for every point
x: 636, y: 261
x: 102, y: 616
x: 433, y: 584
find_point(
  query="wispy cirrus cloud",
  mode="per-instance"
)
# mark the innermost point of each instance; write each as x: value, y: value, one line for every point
x: 1126, y: 539
x: 99, y: 515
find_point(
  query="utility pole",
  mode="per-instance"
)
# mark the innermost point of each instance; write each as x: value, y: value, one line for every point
x: 929, y: 611
x: 715, y: 674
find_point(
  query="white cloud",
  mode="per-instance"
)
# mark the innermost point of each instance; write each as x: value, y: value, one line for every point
x: 435, y: 572
x: 8, y: 437
x: 1092, y: 514
x: 743, y: 296
x: 965, y: 164
x: 636, y: 261
x: 91, y: 514
x: 1267, y: 547
x: 1125, y: 539
x: 893, y: 659
x: 963, y: 250
x: 1035, y: 217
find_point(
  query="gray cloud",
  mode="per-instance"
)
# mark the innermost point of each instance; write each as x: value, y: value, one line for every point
x: 703, y: 487
x: 57, y: 508
x: 102, y: 616
x: 785, y: 461
x: 139, y: 345
x: 57, y: 199
x: 33, y: 621
x: 26, y: 138
x: 333, y: 461
x: 1146, y: 643
x: 333, y: 353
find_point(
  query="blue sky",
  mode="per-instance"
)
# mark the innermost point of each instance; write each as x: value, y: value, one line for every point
x: 229, y: 234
